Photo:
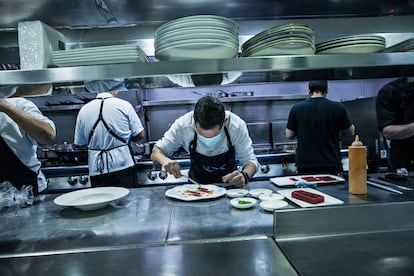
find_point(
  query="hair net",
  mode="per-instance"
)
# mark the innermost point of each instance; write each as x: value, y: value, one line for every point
x: 98, y: 86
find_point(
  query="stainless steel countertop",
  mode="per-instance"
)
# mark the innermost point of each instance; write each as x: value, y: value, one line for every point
x: 147, y: 223
x: 358, y: 239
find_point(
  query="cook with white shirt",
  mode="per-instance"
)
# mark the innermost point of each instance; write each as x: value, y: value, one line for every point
x: 217, y: 140
x: 106, y: 125
x: 22, y: 128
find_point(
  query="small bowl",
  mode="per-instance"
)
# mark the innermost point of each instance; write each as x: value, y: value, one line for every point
x: 257, y: 192
x: 234, y: 193
x: 243, y: 203
x: 270, y: 197
x: 271, y: 205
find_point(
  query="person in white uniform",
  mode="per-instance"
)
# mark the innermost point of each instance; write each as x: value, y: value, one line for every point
x: 107, y: 125
x: 217, y: 140
x: 22, y: 128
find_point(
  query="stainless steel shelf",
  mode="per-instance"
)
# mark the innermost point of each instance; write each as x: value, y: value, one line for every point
x: 226, y: 100
x: 208, y: 66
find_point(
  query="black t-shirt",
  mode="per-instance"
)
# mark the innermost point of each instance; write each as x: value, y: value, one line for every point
x: 395, y: 106
x: 317, y: 123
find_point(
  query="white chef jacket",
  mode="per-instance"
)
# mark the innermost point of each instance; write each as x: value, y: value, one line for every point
x: 121, y: 118
x: 22, y: 145
x: 181, y: 133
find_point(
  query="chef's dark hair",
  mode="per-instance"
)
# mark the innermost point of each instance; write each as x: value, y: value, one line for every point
x: 209, y: 112
x: 318, y: 85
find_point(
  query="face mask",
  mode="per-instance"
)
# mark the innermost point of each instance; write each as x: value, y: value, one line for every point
x: 209, y: 142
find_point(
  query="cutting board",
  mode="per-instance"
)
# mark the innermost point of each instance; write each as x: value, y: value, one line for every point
x: 329, y: 200
x: 316, y: 178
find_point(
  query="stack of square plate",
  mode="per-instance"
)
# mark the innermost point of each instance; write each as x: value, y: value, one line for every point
x: 352, y: 44
x: 99, y: 55
x: 197, y: 37
x: 286, y: 39
x: 403, y: 46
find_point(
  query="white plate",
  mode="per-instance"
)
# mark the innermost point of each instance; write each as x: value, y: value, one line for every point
x: 275, y: 32
x: 285, y: 47
x: 197, y: 20
x: 99, y: 49
x: 178, y: 40
x: 257, y: 192
x: 271, y: 205
x: 354, y: 49
x: 271, y: 197
x: 353, y: 38
x: 92, y: 198
x: 197, y: 44
x: 237, y: 193
x: 292, y: 180
x: 197, y: 51
x: 243, y: 202
x: 184, y: 192
x: 329, y: 200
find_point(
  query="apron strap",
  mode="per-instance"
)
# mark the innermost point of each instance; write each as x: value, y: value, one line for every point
x: 100, y: 118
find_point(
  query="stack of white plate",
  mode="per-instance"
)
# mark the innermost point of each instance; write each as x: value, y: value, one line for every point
x: 197, y: 37
x: 352, y: 45
x: 99, y: 55
x: 286, y: 39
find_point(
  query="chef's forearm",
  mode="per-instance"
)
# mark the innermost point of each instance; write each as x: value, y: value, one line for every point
x: 158, y: 156
x: 250, y: 169
x: 36, y: 128
x: 398, y: 132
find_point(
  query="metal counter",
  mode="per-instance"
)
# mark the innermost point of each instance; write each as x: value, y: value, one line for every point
x: 373, y: 239
x: 152, y: 233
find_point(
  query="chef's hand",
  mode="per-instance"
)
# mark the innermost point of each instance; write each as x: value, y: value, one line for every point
x: 236, y: 178
x: 172, y: 167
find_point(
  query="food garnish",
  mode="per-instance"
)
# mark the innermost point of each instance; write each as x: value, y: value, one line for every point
x: 244, y: 202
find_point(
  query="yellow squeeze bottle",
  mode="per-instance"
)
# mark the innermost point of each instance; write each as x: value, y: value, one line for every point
x: 357, y: 157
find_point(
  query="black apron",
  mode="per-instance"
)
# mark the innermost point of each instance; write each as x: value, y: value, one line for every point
x: 105, y: 157
x: 211, y: 169
x: 14, y: 171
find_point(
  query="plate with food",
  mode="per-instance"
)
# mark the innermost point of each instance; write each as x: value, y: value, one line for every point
x: 92, y: 198
x: 243, y: 202
x: 308, y: 197
x: 192, y: 192
x: 317, y: 178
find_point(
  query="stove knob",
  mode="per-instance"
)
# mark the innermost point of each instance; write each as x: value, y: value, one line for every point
x: 152, y: 175
x: 264, y: 168
x: 163, y: 175
x: 83, y: 179
x: 72, y: 180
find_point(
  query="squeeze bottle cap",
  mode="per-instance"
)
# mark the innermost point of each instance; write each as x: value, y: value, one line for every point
x: 357, y: 143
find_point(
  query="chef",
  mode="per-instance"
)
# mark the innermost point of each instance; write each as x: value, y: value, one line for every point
x: 318, y: 123
x: 217, y: 141
x: 22, y: 128
x: 395, y: 116
x: 106, y: 125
